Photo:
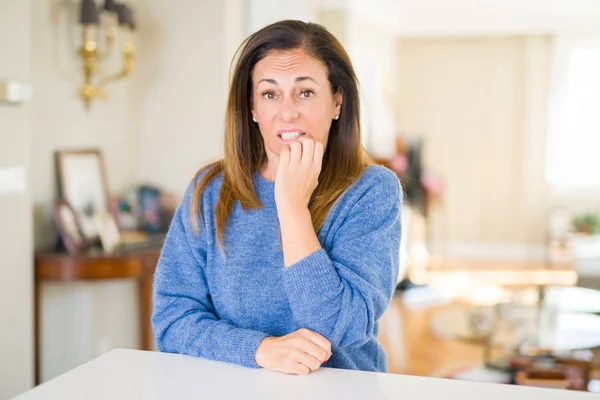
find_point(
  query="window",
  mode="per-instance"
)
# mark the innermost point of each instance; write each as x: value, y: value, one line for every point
x: 574, y: 115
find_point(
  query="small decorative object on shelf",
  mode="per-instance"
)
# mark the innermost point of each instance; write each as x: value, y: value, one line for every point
x: 69, y: 230
x: 108, y: 231
x: 144, y: 208
x: 588, y: 223
x: 82, y: 183
x: 139, y: 217
x: 574, y: 240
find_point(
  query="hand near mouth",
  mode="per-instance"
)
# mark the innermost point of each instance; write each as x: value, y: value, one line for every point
x: 297, y: 174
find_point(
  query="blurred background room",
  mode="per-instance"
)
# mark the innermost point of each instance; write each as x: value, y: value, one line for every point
x: 489, y: 113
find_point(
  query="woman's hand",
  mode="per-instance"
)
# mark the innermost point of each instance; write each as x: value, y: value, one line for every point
x: 299, y: 352
x: 297, y: 174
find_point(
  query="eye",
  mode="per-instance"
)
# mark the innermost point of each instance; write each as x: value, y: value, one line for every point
x: 306, y: 94
x: 268, y: 95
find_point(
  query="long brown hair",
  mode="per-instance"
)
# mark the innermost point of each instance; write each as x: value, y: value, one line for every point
x: 344, y: 159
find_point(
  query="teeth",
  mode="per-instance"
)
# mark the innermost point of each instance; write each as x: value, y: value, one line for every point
x: 290, y: 135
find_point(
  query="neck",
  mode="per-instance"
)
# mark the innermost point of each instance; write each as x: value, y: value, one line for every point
x: 269, y: 169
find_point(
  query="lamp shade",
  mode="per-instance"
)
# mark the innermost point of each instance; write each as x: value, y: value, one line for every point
x: 131, y: 20
x: 123, y: 14
x: 89, y: 12
x: 110, y: 5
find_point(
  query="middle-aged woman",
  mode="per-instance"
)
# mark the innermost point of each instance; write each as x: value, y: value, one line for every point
x: 284, y: 254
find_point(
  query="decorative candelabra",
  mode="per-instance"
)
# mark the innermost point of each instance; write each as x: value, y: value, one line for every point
x: 118, y: 17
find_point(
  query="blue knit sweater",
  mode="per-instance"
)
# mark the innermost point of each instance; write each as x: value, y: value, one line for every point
x: 221, y: 309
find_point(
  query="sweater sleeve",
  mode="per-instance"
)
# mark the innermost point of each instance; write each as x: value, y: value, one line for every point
x: 184, y: 318
x: 341, y: 293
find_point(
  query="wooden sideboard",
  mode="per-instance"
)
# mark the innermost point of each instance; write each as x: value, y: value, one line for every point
x: 94, y: 265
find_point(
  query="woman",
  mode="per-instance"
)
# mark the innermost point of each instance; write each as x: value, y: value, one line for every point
x: 284, y: 254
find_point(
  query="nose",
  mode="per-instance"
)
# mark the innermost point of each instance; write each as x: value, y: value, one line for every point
x: 288, y: 110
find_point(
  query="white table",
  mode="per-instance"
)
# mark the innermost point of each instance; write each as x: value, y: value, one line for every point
x: 133, y: 374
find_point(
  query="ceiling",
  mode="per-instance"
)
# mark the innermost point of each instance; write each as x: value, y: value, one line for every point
x: 468, y: 17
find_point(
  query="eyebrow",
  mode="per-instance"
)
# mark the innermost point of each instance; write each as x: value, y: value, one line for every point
x: 298, y: 79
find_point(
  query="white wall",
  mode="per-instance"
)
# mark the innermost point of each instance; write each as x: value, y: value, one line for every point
x: 336, y: 22
x: 480, y: 103
x: 480, y: 17
x: 264, y: 12
x: 180, y: 88
x: 372, y: 51
x: 16, y: 236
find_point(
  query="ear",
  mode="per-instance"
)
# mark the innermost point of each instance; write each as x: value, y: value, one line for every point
x: 338, y: 98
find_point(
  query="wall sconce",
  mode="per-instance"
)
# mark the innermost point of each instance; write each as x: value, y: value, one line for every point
x: 117, y: 17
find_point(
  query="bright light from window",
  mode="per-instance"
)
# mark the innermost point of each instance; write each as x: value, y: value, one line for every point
x: 574, y: 151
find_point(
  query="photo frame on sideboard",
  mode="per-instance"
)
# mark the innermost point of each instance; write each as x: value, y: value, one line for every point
x: 68, y: 227
x: 82, y: 183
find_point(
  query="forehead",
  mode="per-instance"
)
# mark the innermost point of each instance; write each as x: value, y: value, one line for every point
x: 290, y: 64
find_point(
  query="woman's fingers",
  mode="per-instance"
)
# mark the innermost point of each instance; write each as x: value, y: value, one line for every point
x: 296, y: 153
x: 308, y: 149
x: 299, y: 352
x: 284, y: 156
x: 312, y: 152
x: 316, y: 351
x: 317, y: 339
x: 297, y: 174
x: 299, y: 369
x: 309, y: 361
x: 304, y: 151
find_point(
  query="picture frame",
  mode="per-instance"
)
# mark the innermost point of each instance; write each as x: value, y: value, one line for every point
x: 68, y: 226
x: 81, y: 179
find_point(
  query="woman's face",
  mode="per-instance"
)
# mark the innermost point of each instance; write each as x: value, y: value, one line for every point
x: 291, y: 95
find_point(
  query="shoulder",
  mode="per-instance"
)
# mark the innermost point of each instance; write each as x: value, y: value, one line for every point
x: 372, y: 202
x: 379, y: 181
x: 378, y: 175
x: 376, y: 190
x: 210, y: 176
x: 204, y: 187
